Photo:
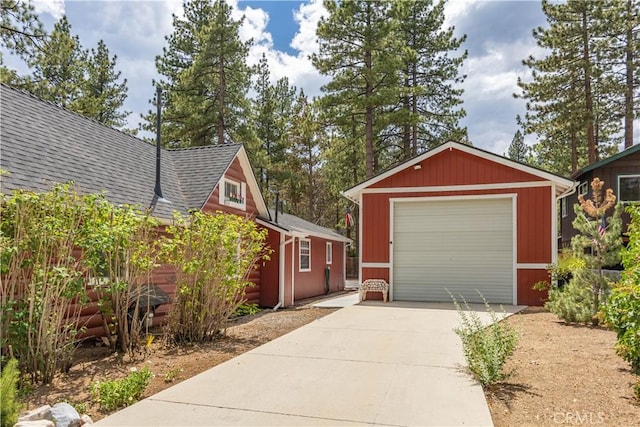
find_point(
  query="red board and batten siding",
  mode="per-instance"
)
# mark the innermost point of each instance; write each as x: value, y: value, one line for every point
x: 457, y: 168
x: 312, y: 283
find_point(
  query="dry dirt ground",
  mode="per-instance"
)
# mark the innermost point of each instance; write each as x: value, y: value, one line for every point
x: 564, y: 375
x: 170, y: 365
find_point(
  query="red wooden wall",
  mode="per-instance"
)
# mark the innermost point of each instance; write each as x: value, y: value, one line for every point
x: 454, y: 167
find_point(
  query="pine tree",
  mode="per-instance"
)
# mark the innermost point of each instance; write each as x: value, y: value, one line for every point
x: 569, y: 100
x: 430, y: 107
x: 20, y: 28
x: 360, y: 51
x: 102, y: 92
x: 272, y: 108
x: 206, y: 78
x: 518, y: 150
x: 58, y: 69
x: 623, y: 55
x: 305, y: 186
x: 179, y: 54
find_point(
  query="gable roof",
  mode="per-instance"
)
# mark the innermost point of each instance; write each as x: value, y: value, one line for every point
x: 562, y: 184
x: 624, y: 153
x: 42, y: 144
x: 294, y: 224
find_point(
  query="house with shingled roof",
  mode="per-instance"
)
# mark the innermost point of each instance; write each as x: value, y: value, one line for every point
x: 42, y: 144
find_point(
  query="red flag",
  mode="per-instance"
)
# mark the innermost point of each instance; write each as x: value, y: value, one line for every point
x: 348, y: 219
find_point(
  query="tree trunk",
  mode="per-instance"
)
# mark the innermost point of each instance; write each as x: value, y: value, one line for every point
x: 368, y: 118
x: 628, y: 93
x: 406, y: 128
x: 574, y: 152
x: 414, y: 111
x: 591, y: 143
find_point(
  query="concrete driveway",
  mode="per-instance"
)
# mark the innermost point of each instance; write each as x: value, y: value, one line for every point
x: 397, y: 364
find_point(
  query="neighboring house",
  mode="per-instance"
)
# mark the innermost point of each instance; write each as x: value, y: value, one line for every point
x: 620, y: 172
x: 459, y: 219
x: 42, y: 144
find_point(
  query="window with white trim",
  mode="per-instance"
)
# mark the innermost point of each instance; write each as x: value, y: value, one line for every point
x: 563, y: 207
x: 629, y: 188
x: 234, y: 194
x: 329, y: 252
x: 582, y: 188
x: 304, y: 249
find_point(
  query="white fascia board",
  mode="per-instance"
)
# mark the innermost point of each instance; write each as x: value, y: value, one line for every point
x: 251, y: 181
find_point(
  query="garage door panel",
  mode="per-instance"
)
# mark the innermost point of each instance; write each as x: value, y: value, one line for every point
x: 460, y: 245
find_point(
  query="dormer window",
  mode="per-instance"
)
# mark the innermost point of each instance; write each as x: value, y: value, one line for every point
x: 234, y: 194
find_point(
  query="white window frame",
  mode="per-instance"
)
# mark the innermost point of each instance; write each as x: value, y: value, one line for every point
x: 300, y: 255
x: 329, y: 252
x: 232, y: 203
x: 631, y: 175
x: 563, y: 207
x: 583, y: 188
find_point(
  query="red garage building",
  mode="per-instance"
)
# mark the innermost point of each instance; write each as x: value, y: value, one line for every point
x: 462, y: 220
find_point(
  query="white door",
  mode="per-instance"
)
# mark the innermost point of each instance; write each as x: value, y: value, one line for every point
x: 463, y: 246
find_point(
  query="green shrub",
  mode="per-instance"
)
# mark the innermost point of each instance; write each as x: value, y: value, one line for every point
x: 9, y: 406
x: 247, y: 309
x: 622, y: 310
x: 486, y: 348
x: 213, y: 256
x: 636, y: 389
x: 115, y: 394
x: 572, y: 303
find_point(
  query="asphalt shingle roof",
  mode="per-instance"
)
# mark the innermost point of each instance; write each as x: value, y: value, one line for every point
x: 198, y: 168
x: 294, y: 223
x: 42, y: 144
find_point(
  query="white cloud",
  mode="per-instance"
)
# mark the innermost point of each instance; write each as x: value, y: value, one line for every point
x: 456, y: 9
x: 55, y: 8
x: 307, y: 18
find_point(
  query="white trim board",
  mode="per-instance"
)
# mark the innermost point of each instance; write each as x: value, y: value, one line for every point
x: 471, y: 187
x: 376, y: 265
x: 531, y: 266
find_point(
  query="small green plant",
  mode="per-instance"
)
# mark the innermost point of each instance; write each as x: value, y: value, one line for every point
x: 115, y: 394
x: 247, y: 309
x: 636, y: 389
x: 9, y: 405
x: 81, y: 407
x: 172, y: 375
x: 486, y: 348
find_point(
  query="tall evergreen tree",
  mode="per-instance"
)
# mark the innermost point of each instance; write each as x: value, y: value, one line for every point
x: 272, y: 109
x: 20, y: 28
x: 305, y: 187
x: 569, y: 100
x: 430, y: 107
x: 518, y: 150
x: 205, y: 77
x: 360, y: 51
x: 179, y: 55
x: 622, y: 37
x: 103, y: 94
x: 58, y: 69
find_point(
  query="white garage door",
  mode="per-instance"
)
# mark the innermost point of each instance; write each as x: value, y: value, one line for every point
x: 456, y: 245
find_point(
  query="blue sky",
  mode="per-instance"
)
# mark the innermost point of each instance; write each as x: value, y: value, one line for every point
x: 498, y: 38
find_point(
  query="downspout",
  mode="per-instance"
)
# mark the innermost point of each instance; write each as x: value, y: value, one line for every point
x: 293, y: 272
x: 283, y: 244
